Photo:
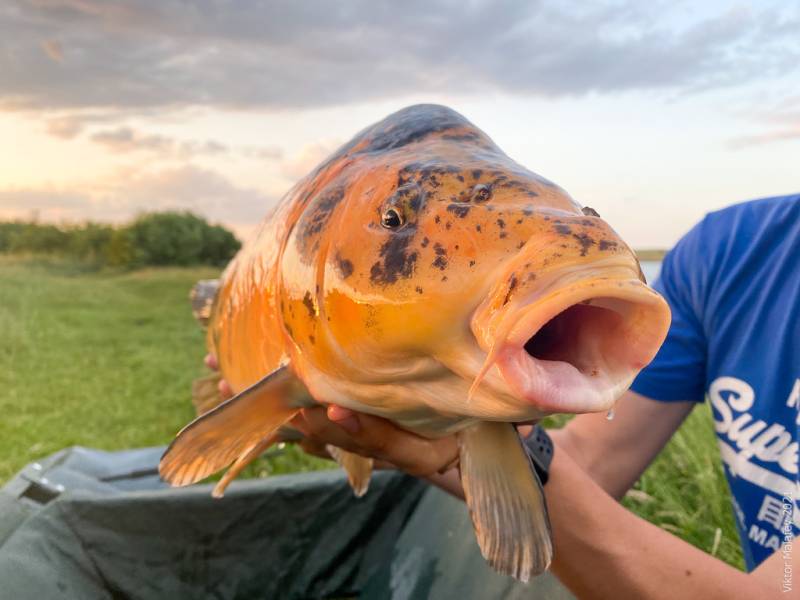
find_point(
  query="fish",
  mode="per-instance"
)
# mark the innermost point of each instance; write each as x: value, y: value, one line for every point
x: 421, y: 275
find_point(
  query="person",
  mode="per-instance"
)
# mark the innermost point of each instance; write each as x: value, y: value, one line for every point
x: 733, y: 284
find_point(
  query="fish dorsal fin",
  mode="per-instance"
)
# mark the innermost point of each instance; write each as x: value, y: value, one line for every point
x: 231, y: 430
x: 505, y: 499
x: 357, y: 467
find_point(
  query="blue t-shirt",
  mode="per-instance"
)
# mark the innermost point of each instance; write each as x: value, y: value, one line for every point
x: 733, y: 284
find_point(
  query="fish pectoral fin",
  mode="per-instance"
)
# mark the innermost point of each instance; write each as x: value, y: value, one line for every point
x: 232, y: 430
x: 358, y: 468
x: 205, y: 393
x: 241, y: 462
x: 505, y: 499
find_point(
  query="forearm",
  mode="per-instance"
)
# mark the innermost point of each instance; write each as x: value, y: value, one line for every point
x: 603, y: 551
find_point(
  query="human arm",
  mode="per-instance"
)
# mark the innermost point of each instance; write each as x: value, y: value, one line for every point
x: 601, y: 549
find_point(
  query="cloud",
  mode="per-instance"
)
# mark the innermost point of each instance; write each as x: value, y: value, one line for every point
x: 309, y: 156
x: 127, y: 193
x: 124, y: 140
x: 65, y: 128
x: 135, y: 54
x: 781, y: 135
x: 781, y: 119
x: 52, y: 48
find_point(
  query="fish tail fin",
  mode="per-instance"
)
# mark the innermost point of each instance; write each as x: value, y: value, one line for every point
x: 231, y: 431
x: 202, y: 297
x: 505, y: 499
x: 357, y: 467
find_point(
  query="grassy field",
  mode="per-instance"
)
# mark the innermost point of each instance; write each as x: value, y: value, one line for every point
x: 106, y: 360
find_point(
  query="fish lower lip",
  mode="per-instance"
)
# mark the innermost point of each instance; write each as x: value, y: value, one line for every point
x: 579, y: 350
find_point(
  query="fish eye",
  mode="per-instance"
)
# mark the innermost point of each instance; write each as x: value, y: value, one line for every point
x: 481, y: 193
x: 391, y: 219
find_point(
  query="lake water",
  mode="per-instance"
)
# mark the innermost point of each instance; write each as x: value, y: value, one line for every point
x: 651, y: 269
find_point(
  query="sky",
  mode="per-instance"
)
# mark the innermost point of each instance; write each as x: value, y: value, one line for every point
x: 654, y: 113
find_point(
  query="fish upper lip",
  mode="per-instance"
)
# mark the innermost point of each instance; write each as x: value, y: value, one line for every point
x: 611, y: 327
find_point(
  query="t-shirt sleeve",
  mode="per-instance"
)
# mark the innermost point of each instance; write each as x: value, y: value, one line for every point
x: 678, y: 372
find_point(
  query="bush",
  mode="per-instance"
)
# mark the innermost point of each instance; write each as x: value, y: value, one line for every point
x: 157, y: 239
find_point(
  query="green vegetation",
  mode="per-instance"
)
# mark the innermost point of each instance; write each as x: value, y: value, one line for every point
x: 155, y: 239
x: 105, y: 359
x: 100, y: 360
x: 650, y: 254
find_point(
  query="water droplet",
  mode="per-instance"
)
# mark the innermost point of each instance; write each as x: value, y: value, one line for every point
x: 610, y: 415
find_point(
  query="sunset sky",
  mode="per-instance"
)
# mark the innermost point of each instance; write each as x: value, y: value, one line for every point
x: 652, y: 112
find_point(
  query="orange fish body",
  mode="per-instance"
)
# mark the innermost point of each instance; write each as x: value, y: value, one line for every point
x: 421, y: 275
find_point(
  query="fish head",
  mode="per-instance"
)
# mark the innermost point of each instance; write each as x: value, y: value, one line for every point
x: 435, y: 250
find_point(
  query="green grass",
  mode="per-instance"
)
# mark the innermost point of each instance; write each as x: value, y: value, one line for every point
x: 99, y: 359
x: 685, y: 492
x: 106, y: 359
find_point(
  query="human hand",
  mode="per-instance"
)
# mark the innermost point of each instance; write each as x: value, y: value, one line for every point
x: 366, y: 435
x: 374, y: 437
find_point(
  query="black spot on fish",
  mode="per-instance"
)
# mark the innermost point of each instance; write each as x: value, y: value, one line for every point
x: 503, y: 235
x: 520, y: 245
x: 424, y: 243
x: 585, y: 241
x: 312, y: 339
x: 512, y: 284
x: 607, y: 244
x: 437, y: 219
x: 396, y: 261
x: 308, y: 302
x: 407, y: 126
x: 448, y: 225
x: 501, y: 224
x: 472, y: 263
x: 563, y: 229
x: 476, y: 173
x: 444, y: 277
x: 344, y: 266
x: 316, y: 216
x: 418, y: 289
x: 465, y: 137
x: 478, y: 228
x: 441, y: 257
x: 460, y: 178
x: 459, y: 210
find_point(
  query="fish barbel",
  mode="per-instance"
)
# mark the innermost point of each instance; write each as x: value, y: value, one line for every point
x: 421, y: 275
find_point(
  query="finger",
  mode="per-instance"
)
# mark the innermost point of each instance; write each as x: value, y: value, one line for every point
x: 312, y: 447
x: 316, y: 425
x: 407, y: 451
x: 211, y: 362
x: 344, y: 418
x: 224, y: 389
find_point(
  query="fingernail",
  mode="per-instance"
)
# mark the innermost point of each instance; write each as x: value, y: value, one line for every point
x: 344, y: 418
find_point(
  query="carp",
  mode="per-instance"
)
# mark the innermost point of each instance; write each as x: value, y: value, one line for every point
x: 421, y: 275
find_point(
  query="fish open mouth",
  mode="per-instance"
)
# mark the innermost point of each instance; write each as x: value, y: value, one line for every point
x: 579, y: 348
